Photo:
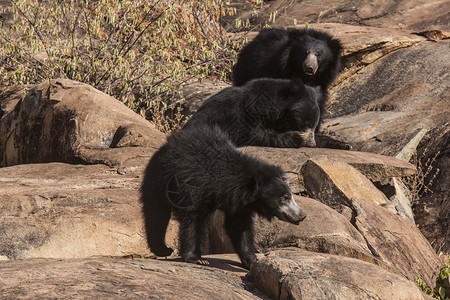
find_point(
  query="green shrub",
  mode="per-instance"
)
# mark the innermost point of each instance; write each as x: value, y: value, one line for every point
x: 138, y: 51
x: 440, y: 291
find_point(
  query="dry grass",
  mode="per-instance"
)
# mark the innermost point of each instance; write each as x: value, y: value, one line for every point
x: 140, y: 52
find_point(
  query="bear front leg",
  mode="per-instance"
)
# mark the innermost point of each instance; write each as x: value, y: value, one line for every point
x: 191, y: 230
x: 325, y: 141
x: 241, y: 232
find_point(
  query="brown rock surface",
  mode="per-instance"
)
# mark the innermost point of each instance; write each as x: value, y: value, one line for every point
x: 299, y: 274
x: 396, y: 241
x: 195, y: 92
x: 58, y: 210
x: 336, y: 183
x: 387, y: 105
x: 404, y: 14
x: 123, y: 279
x: 391, y: 238
x: 388, y: 112
x: 373, y: 166
x: 67, y: 121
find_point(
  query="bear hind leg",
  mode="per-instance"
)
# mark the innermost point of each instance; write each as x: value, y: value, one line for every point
x: 157, y: 216
x: 190, y: 236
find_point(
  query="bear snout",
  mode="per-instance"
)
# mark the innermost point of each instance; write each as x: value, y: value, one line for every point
x: 300, y: 217
x: 310, y: 65
x: 291, y: 212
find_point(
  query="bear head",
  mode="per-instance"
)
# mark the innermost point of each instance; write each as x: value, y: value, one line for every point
x: 312, y: 57
x: 274, y: 199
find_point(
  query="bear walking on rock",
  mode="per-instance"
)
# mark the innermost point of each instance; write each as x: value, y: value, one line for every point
x: 270, y: 112
x: 308, y: 54
x: 199, y: 171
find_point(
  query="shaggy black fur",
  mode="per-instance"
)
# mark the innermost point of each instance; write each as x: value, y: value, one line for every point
x: 264, y: 112
x: 199, y: 171
x: 308, y: 54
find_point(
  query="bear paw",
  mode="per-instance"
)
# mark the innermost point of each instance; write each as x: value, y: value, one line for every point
x: 163, y: 251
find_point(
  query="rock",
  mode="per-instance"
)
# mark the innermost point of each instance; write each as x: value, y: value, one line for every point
x: 412, y: 14
x: 396, y: 241
x: 364, y: 45
x: 411, y: 147
x: 399, y: 194
x: 390, y: 116
x: 390, y: 113
x: 67, y: 121
x: 124, y: 279
x: 195, y: 92
x: 375, y: 167
x: 299, y: 274
x: 432, y: 210
x: 57, y: 210
x: 336, y: 183
x: 391, y: 238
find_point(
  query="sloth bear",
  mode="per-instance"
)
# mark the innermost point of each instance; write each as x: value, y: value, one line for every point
x: 199, y: 171
x: 308, y: 54
x: 268, y: 112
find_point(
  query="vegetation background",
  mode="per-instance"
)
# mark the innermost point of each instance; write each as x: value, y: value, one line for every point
x: 140, y: 52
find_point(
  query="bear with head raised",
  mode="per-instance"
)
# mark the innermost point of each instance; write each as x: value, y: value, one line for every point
x: 308, y: 54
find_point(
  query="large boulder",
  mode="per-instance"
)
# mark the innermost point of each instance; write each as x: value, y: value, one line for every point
x: 389, y: 113
x: 58, y: 210
x: 299, y: 274
x: 392, y: 238
x: 398, y: 103
x: 69, y: 121
x: 396, y: 242
x: 404, y: 14
x: 337, y: 183
x: 62, y: 210
x: 123, y: 279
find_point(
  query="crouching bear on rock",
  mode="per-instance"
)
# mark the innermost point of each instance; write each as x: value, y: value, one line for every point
x: 269, y: 112
x: 199, y: 171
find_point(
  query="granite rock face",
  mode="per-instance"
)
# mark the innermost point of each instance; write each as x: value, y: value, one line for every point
x: 298, y: 274
x: 415, y: 15
x: 108, y: 278
x: 68, y: 121
x: 399, y: 106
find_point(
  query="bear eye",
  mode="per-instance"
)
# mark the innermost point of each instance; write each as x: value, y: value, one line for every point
x: 286, y: 197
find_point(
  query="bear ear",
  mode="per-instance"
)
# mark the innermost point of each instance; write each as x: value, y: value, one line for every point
x: 335, y: 45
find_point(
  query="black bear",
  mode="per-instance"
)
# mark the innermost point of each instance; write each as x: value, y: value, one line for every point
x: 308, y: 54
x: 199, y: 171
x: 268, y: 112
